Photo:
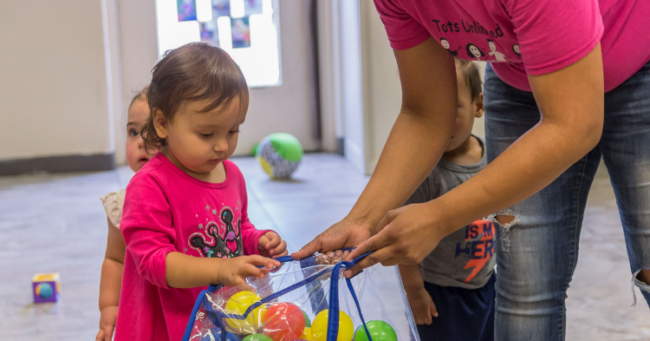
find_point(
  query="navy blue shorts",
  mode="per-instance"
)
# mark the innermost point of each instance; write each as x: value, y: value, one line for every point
x: 463, y: 314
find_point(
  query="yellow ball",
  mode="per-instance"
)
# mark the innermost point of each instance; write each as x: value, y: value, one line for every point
x: 237, y: 305
x: 319, y: 327
x: 306, y: 334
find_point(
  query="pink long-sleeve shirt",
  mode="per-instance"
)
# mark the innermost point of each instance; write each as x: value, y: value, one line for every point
x: 166, y: 210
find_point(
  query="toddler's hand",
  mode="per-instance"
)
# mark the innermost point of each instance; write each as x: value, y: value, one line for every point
x: 271, y: 245
x: 233, y: 271
x: 422, y: 305
x: 107, y: 319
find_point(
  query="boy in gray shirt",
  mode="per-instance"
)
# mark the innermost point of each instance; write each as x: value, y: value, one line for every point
x: 451, y: 293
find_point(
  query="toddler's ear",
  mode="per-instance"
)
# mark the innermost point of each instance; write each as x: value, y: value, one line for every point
x: 478, y: 103
x: 160, y: 123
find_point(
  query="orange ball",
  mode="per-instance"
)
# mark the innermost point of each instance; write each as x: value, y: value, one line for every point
x: 283, y: 322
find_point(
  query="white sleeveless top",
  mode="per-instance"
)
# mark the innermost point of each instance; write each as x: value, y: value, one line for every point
x: 113, y: 204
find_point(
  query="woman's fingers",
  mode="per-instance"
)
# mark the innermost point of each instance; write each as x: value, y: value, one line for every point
x: 309, y: 249
x: 378, y: 244
x: 374, y: 243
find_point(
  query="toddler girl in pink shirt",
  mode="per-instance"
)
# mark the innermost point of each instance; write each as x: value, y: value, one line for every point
x: 185, y: 218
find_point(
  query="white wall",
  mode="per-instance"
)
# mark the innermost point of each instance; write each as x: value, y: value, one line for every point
x: 135, y: 52
x: 53, y: 79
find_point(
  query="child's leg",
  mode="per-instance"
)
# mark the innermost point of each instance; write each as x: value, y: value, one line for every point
x: 463, y: 314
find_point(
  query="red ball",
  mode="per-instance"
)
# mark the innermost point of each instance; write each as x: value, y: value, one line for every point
x: 283, y: 322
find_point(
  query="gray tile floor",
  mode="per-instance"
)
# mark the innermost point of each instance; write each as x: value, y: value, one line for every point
x: 55, y: 223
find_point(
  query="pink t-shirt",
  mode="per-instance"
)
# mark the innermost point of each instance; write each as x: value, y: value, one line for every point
x: 166, y: 210
x: 526, y: 37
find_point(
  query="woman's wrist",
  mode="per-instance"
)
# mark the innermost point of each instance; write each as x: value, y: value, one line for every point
x: 362, y: 221
x: 442, y: 216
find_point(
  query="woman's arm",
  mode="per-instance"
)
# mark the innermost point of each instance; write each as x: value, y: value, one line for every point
x: 112, y: 269
x: 415, y: 144
x: 571, y: 101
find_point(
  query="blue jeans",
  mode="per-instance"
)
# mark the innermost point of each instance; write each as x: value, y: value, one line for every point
x: 537, y: 254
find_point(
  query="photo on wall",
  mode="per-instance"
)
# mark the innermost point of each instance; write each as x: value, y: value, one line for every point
x: 253, y: 7
x: 186, y: 10
x: 241, y: 33
x: 209, y: 33
x: 220, y: 8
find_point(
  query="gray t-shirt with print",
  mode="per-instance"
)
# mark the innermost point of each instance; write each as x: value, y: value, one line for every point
x: 465, y: 258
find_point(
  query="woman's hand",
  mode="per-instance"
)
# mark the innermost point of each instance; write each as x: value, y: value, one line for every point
x: 233, y: 271
x: 271, y: 245
x: 406, y: 235
x: 340, y: 235
x: 421, y: 305
x: 107, y: 320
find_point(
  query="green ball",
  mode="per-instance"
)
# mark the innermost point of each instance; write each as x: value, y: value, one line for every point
x: 280, y: 154
x: 255, y: 149
x: 379, y: 331
x: 257, y: 337
x: 307, y: 320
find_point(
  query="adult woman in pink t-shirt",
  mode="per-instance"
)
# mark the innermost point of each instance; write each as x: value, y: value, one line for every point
x: 574, y: 87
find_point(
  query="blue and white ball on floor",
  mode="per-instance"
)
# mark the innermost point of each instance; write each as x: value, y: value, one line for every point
x: 280, y: 155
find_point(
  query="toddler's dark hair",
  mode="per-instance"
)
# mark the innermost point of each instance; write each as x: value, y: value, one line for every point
x: 471, y: 76
x: 193, y: 72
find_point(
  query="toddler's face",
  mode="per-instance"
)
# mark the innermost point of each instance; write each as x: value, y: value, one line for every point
x: 466, y: 112
x: 136, y: 155
x: 202, y: 140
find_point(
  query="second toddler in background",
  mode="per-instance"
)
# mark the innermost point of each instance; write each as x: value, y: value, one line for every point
x: 452, y: 292
x: 113, y: 265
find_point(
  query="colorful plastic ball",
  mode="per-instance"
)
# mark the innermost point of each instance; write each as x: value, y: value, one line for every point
x: 44, y: 290
x: 319, y: 327
x: 215, y: 334
x: 379, y: 331
x: 257, y: 337
x: 307, y: 320
x: 279, y: 154
x: 306, y: 335
x: 237, y: 305
x: 283, y: 322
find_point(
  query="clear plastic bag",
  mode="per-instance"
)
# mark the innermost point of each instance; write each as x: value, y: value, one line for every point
x: 296, y: 301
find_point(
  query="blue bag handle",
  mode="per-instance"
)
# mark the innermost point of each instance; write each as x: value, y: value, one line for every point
x: 333, y: 318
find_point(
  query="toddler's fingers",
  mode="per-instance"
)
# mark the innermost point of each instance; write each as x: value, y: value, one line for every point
x: 434, y: 310
x: 279, y: 248
x: 100, y: 335
x: 273, y: 242
x: 283, y: 253
x: 247, y: 269
x: 258, y: 260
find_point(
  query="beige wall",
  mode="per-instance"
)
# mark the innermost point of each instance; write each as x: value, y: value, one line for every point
x: 53, y: 79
